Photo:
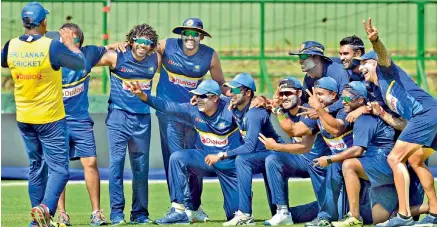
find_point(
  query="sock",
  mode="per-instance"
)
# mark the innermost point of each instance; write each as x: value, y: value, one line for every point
x: 179, y: 208
x: 433, y: 215
x: 282, y: 209
x: 403, y: 217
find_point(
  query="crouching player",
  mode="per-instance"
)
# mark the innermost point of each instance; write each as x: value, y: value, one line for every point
x: 217, y: 132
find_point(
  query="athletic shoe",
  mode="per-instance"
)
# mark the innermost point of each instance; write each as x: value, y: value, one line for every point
x: 98, y: 219
x: 280, y: 218
x: 197, y: 216
x: 64, y: 218
x: 41, y: 216
x: 118, y: 221
x: 173, y: 217
x: 348, y: 221
x: 397, y: 221
x: 318, y: 222
x: 142, y: 220
x: 55, y: 224
x: 240, y: 219
x: 427, y: 221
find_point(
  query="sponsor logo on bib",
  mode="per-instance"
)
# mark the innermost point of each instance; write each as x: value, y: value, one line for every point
x: 73, y: 91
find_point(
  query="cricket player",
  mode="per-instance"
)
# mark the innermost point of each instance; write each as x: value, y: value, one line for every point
x: 217, y: 132
x: 128, y: 120
x: 316, y: 65
x: 297, y: 163
x: 249, y: 157
x: 81, y: 140
x: 185, y: 63
x: 35, y: 63
x: 419, y: 138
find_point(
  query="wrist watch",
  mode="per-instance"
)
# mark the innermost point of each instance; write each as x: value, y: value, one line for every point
x: 221, y: 155
x: 329, y: 160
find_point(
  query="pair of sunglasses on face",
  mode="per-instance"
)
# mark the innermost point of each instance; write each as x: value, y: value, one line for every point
x: 76, y: 40
x: 287, y: 93
x: 204, y: 96
x: 304, y: 57
x: 191, y: 33
x: 144, y: 41
x: 348, y: 99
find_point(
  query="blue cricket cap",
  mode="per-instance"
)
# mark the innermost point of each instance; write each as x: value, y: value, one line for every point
x: 191, y: 23
x: 207, y: 87
x: 311, y: 48
x: 369, y: 55
x: 242, y: 79
x: 327, y: 83
x: 35, y: 11
x: 288, y: 84
x: 357, y: 88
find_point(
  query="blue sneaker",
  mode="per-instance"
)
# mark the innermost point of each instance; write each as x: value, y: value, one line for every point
x: 142, y: 220
x: 427, y: 221
x: 397, y: 221
x: 118, y: 221
x: 173, y: 217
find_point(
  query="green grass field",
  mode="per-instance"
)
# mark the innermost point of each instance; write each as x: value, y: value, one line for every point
x: 16, y: 206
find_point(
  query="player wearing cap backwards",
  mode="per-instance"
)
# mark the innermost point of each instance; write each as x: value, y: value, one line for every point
x: 217, y: 132
x: 281, y: 166
x: 35, y: 63
x: 249, y: 157
x: 128, y: 120
x: 185, y: 63
x: 316, y: 65
x: 419, y: 138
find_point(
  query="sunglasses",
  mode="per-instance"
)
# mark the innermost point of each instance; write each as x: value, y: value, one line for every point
x: 348, y: 99
x: 204, y: 96
x: 191, y: 33
x: 76, y: 40
x: 304, y: 56
x: 287, y: 93
x: 140, y: 41
x: 236, y: 90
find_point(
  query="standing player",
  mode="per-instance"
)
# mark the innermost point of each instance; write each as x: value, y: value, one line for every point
x: 185, y: 63
x: 128, y: 121
x: 316, y: 65
x: 249, y: 157
x: 217, y: 132
x: 79, y: 124
x: 35, y: 63
x: 407, y: 99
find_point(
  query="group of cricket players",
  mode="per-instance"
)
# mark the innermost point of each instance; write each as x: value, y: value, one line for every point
x: 359, y: 128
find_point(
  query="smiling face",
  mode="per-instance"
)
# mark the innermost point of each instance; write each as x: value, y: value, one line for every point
x: 191, y: 39
x: 141, y: 47
x: 206, y: 102
x: 326, y: 97
x: 368, y: 69
x: 347, y: 53
x: 351, y: 101
x: 290, y: 98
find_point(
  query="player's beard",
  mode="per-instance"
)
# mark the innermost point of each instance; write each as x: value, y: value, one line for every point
x: 308, y: 64
x: 293, y: 100
x: 190, y: 44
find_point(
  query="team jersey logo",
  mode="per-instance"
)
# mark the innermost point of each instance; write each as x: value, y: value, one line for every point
x: 196, y: 68
x: 73, y: 91
x: 171, y: 62
x: 211, y: 140
x: 183, y: 81
x: 151, y: 70
x: 190, y: 22
x: 28, y: 76
x: 340, y: 143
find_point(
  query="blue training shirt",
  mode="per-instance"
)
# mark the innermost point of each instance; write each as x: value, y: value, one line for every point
x: 129, y: 69
x: 401, y: 94
x: 335, y: 144
x: 336, y: 72
x: 374, y: 135
x: 217, y: 133
x: 251, y: 122
x: 75, y: 84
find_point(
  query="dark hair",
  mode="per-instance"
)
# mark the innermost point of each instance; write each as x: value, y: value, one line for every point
x: 28, y: 23
x: 76, y: 29
x: 354, y: 41
x: 143, y: 30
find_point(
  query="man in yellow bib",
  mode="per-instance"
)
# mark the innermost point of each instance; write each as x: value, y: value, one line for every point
x: 35, y: 63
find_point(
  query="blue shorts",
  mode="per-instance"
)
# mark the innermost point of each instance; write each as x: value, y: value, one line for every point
x: 81, y: 138
x: 422, y: 129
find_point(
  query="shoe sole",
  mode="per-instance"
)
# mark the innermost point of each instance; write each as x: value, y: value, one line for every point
x: 176, y: 223
x: 268, y: 224
x: 38, y: 217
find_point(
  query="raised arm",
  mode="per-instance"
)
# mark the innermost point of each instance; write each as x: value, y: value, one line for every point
x: 378, y: 46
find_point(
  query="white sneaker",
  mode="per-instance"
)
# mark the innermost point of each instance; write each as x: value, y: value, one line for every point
x: 280, y: 218
x: 240, y: 219
x: 198, y: 216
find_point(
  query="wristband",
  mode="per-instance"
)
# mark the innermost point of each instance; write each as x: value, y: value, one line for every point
x: 329, y: 160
